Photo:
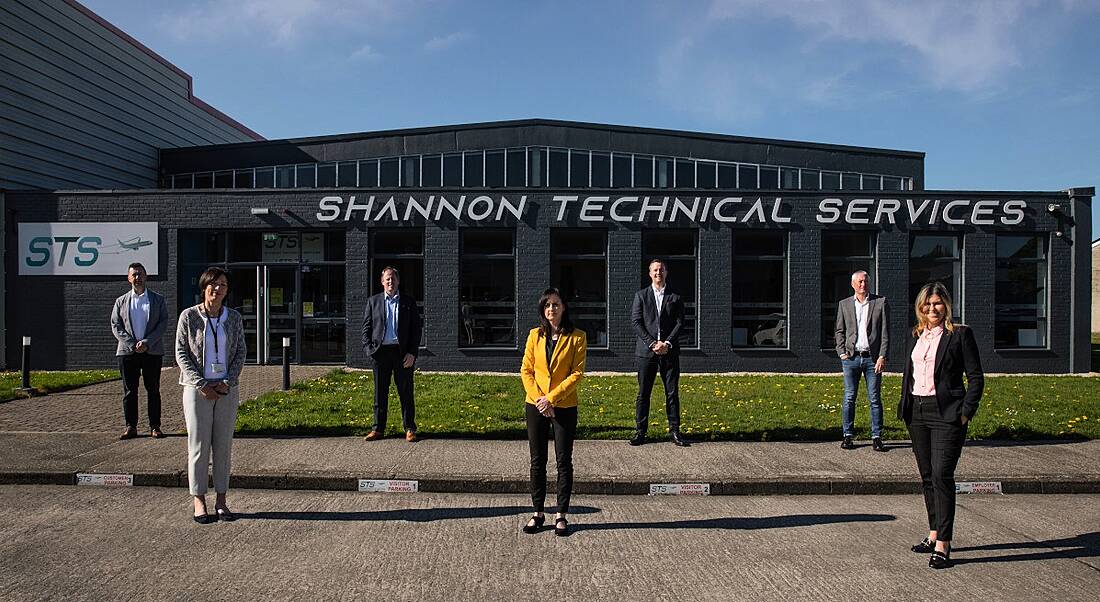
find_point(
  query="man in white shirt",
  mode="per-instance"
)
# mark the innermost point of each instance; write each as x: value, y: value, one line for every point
x: 658, y: 317
x: 138, y: 320
x: 862, y: 339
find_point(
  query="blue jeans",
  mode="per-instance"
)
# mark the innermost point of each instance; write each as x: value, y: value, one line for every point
x: 853, y: 367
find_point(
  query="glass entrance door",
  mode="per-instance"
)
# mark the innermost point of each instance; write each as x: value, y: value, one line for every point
x: 244, y: 287
x: 281, y: 312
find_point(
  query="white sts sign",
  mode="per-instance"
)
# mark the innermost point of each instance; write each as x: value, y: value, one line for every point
x: 86, y: 248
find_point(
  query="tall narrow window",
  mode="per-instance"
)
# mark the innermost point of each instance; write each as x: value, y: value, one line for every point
x: 410, y: 171
x: 679, y: 249
x: 494, y: 169
x: 389, y: 171
x: 727, y: 176
x: 306, y: 176
x: 242, y: 178
x: 452, y: 170
x: 685, y: 173
x: 536, y: 167
x: 578, y: 169
x: 347, y: 174
x: 1021, y: 292
x: 487, y: 288
x: 662, y: 173
x: 403, y: 249
x: 621, y: 171
x: 769, y: 177
x: 748, y: 177
x: 474, y: 171
x: 578, y: 268
x: 601, y: 170
x: 706, y: 175
x: 842, y: 254
x: 326, y: 175
x: 643, y: 171
x: 431, y: 171
x: 759, y: 282
x: 516, y: 168
x: 368, y: 173
x: 936, y: 257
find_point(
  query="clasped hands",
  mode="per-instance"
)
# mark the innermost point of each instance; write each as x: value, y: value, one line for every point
x: 660, y: 347
x: 543, y: 405
x: 141, y: 347
x: 215, y: 391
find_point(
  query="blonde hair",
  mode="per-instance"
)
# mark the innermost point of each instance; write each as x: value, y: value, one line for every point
x: 926, y: 291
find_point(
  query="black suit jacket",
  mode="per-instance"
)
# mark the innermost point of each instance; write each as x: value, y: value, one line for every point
x: 409, y: 324
x: 646, y: 318
x: 956, y: 355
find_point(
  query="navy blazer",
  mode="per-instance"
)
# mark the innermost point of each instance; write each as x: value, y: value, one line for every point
x: 956, y: 355
x: 646, y: 317
x: 409, y: 324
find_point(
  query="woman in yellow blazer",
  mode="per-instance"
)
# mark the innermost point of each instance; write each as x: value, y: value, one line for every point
x: 553, y: 364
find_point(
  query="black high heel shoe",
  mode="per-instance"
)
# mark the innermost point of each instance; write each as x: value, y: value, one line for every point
x: 534, y: 525
x: 940, y: 560
x: 926, y: 546
x: 561, y: 526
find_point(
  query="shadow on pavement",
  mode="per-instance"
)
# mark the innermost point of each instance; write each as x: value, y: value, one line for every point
x: 1086, y: 545
x: 416, y: 515
x: 747, y: 523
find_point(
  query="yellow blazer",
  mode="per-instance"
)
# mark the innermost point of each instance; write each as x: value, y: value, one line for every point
x: 558, y: 381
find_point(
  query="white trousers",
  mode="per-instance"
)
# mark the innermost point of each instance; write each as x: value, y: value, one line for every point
x: 210, y: 426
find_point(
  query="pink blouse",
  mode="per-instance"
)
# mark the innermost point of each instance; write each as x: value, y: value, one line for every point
x: 924, y: 362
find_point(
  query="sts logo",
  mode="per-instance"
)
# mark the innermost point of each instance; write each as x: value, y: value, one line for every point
x: 86, y: 248
x: 40, y: 247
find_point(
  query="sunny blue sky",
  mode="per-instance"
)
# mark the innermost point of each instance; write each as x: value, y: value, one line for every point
x: 1001, y: 95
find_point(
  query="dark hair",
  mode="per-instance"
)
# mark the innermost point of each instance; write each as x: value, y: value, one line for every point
x: 390, y: 268
x: 211, y: 274
x: 657, y: 260
x: 134, y: 266
x: 544, y: 325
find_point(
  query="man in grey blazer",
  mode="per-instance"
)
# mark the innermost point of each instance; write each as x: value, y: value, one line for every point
x: 863, y: 343
x: 138, y: 321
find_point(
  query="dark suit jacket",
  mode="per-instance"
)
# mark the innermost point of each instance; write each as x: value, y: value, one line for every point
x: 956, y: 355
x: 646, y: 317
x: 409, y: 324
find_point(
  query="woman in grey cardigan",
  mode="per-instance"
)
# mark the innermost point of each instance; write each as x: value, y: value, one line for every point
x: 210, y: 351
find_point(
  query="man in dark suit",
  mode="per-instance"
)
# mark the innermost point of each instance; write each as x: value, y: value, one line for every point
x: 391, y: 337
x: 862, y: 338
x: 138, y: 321
x: 658, y: 317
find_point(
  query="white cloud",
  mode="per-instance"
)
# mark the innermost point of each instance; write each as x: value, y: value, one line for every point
x: 366, y: 53
x: 442, y: 42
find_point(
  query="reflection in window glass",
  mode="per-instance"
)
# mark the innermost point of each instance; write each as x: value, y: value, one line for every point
x: 347, y: 174
x: 487, y: 288
x: 559, y: 168
x: 202, y: 247
x: 789, y: 178
x: 621, y: 168
x: 431, y: 175
x: 679, y: 250
x: 578, y: 169
x: 601, y: 170
x: 536, y: 167
x: 494, y: 169
x: 662, y: 172
x: 389, y: 171
x: 936, y: 258
x: 410, y: 171
x: 326, y: 175
x: 516, y: 168
x: 306, y: 176
x: 706, y: 174
x: 842, y: 254
x: 1020, y: 292
x: 242, y: 178
x: 643, y: 171
x: 759, y: 280
x: 474, y: 170
x: 578, y: 268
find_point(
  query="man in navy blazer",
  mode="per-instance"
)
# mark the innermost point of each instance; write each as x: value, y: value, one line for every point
x: 138, y: 321
x: 391, y: 337
x: 658, y: 318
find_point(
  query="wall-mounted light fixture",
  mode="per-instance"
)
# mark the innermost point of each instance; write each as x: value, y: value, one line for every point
x: 259, y: 210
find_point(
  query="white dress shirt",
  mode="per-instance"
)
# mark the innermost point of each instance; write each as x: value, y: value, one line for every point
x: 139, y: 314
x: 862, y: 316
x: 659, y: 297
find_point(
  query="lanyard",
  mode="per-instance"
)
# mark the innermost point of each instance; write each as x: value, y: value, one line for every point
x: 214, y: 327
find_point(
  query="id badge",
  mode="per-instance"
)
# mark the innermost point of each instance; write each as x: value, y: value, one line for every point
x: 217, y: 368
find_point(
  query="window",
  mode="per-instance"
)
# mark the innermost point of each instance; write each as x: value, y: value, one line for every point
x: 347, y: 174
x: 759, y: 316
x: 891, y: 183
x: 727, y: 176
x: 678, y: 249
x: 474, y: 171
x: 662, y: 173
x: 601, y: 170
x: 706, y: 175
x: 685, y: 173
x: 204, y: 180
x: 747, y: 177
x: 842, y: 254
x: 452, y: 170
x: 811, y: 179
x: 388, y: 173
x: 326, y: 175
x: 536, y: 167
x: 872, y: 182
x: 431, y: 175
x: 517, y: 168
x: 306, y: 176
x: 487, y: 288
x: 643, y: 171
x: 578, y: 268
x: 1020, y: 292
x: 936, y: 257
x: 559, y: 168
x: 223, y: 179
x: 242, y: 178
x: 788, y: 178
x: 830, y: 180
x: 769, y: 178
x: 368, y: 174
x: 410, y: 171
x: 578, y: 169
x: 403, y: 249
x: 621, y: 171
x: 183, y: 181
x: 494, y: 169
x: 850, y: 181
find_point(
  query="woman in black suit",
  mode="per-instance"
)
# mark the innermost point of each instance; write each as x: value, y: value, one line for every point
x: 937, y: 407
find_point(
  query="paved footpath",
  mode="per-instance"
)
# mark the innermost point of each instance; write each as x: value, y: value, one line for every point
x: 48, y: 440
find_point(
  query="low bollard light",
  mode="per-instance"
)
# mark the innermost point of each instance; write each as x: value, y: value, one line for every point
x: 26, y: 365
x: 286, y: 363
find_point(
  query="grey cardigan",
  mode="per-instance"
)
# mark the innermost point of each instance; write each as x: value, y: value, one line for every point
x: 154, y: 330
x: 191, y: 340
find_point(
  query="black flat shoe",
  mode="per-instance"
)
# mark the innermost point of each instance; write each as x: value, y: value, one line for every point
x: 225, y: 515
x: 534, y: 525
x: 847, y: 443
x: 926, y: 546
x: 561, y: 527
x: 637, y: 440
x: 940, y: 560
x: 202, y: 519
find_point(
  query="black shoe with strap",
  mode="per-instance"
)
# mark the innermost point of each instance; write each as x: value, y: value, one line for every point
x: 926, y: 546
x: 940, y: 560
x: 561, y: 526
x: 535, y: 524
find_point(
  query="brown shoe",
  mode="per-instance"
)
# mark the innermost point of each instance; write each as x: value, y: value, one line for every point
x: 129, y: 433
x: 374, y: 435
x: 156, y: 433
x: 410, y: 436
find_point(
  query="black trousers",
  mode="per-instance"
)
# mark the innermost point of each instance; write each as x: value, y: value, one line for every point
x: 564, y: 424
x: 669, y: 367
x: 387, y: 365
x: 937, y: 445
x: 146, y: 367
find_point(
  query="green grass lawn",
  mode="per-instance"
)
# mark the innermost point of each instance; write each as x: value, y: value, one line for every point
x: 50, y: 382
x: 751, y: 408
